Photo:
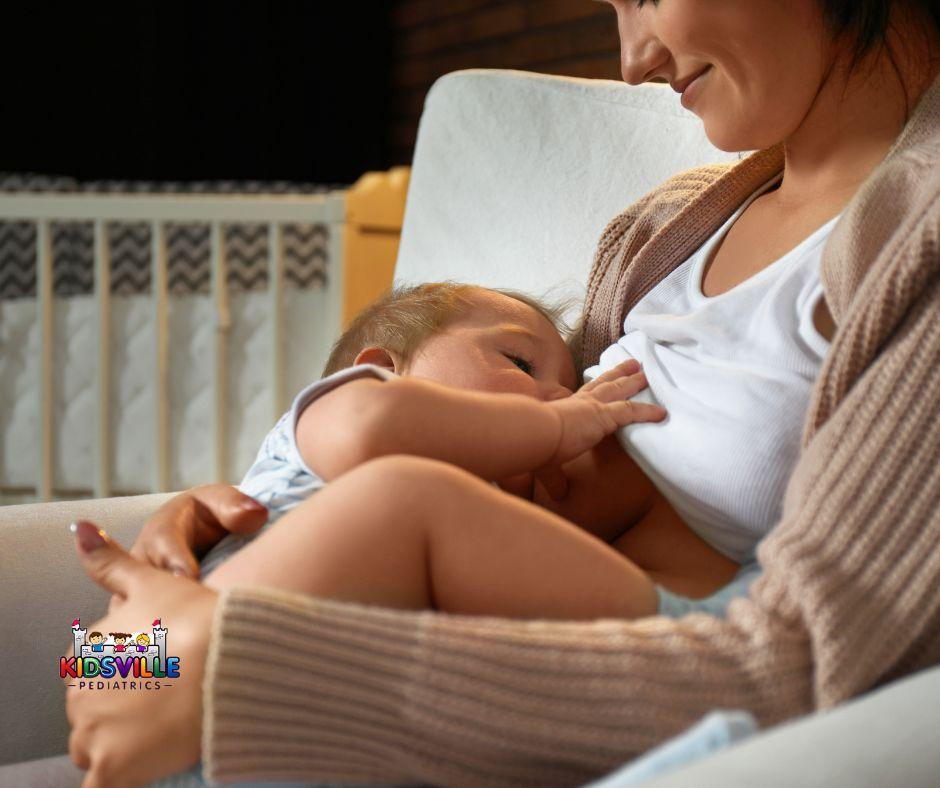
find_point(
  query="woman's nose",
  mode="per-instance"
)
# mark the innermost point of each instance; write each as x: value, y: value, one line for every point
x: 642, y: 54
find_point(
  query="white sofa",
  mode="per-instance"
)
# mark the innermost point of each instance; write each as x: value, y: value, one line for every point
x: 514, y: 177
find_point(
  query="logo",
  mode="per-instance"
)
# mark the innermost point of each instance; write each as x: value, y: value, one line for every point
x: 119, y: 660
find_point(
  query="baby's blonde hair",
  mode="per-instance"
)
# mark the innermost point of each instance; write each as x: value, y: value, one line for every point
x: 404, y: 317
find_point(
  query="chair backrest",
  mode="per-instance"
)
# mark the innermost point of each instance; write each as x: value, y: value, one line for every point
x: 516, y: 174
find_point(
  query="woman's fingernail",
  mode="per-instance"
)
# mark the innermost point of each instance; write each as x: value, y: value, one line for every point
x: 252, y: 506
x: 178, y: 571
x: 90, y: 536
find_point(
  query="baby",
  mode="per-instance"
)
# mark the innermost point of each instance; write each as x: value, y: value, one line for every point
x: 434, y: 393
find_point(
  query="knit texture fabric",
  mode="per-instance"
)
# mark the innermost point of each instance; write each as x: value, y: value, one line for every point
x: 300, y: 688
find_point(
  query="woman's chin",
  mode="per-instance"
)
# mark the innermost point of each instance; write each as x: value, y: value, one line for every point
x: 734, y: 139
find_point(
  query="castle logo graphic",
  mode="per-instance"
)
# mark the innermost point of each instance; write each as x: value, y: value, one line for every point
x: 119, y: 660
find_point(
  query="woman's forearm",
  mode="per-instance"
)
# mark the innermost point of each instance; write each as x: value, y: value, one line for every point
x: 307, y: 689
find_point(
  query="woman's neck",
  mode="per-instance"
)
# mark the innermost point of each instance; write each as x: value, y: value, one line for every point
x: 856, y: 118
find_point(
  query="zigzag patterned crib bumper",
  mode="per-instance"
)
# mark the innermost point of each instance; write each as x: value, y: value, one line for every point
x: 306, y: 246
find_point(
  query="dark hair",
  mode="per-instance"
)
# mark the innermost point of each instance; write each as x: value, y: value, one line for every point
x: 867, y: 20
x: 867, y: 23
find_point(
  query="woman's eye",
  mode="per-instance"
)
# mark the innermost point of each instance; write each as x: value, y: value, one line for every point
x: 524, y: 365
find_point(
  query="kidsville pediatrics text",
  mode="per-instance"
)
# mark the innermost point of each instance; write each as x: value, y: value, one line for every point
x: 120, y: 660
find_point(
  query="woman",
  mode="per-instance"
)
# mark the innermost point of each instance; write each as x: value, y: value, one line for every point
x: 299, y: 688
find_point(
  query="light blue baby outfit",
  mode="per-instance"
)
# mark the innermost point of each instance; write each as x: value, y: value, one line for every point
x: 676, y: 606
x: 279, y: 478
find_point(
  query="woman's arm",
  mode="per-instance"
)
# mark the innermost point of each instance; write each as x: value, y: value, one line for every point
x: 847, y: 601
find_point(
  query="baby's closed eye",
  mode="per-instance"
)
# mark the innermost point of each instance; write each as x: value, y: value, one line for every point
x: 525, y: 366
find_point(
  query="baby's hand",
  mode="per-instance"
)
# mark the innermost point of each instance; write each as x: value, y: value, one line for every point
x: 599, y: 408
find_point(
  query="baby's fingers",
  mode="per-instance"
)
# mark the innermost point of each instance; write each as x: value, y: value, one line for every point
x: 618, y: 388
x: 632, y: 412
x: 628, y: 367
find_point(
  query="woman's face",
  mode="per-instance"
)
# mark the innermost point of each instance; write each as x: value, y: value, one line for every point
x: 759, y: 64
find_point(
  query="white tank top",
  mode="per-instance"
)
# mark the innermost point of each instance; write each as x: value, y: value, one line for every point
x: 735, y: 373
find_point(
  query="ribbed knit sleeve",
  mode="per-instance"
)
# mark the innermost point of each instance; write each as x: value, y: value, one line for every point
x: 299, y: 688
x: 303, y: 689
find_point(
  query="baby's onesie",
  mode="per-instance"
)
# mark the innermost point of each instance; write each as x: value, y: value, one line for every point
x: 279, y: 478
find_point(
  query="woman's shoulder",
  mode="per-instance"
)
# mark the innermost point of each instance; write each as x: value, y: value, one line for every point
x: 890, y: 225
x: 909, y: 176
x: 881, y: 258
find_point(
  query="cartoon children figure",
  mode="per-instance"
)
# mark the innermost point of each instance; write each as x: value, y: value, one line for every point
x: 120, y: 638
x: 97, y: 641
x: 143, y: 641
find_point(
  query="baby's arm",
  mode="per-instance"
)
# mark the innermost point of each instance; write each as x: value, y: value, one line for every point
x: 491, y: 435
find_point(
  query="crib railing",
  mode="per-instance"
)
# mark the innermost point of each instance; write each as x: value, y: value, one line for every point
x: 158, y: 210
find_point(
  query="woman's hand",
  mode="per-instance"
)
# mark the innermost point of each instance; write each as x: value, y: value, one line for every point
x: 129, y: 736
x: 599, y: 408
x: 187, y: 526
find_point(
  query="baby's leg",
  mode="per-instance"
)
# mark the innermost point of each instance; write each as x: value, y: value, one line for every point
x: 408, y: 532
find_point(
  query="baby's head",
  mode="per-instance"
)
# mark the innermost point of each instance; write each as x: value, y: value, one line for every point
x: 461, y: 335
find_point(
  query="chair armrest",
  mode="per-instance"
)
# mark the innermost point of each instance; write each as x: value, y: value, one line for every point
x: 887, y: 737
x: 44, y: 588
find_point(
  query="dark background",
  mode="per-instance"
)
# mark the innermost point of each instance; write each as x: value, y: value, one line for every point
x: 162, y: 91
x: 313, y: 90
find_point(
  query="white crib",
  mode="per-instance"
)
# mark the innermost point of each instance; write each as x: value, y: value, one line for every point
x: 104, y: 394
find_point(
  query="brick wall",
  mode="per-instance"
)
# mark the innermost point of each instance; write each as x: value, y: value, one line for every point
x: 432, y: 37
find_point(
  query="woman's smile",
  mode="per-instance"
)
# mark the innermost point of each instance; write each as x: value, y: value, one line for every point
x: 691, y: 91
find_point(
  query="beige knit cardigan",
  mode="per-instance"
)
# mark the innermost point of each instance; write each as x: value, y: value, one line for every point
x: 301, y: 688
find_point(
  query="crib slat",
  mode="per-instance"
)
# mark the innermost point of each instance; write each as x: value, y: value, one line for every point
x: 44, y: 293
x: 276, y: 317
x: 161, y: 414
x: 336, y: 281
x: 222, y: 327
x: 103, y: 381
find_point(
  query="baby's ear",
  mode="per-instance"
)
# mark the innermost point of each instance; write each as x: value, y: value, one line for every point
x: 380, y: 357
